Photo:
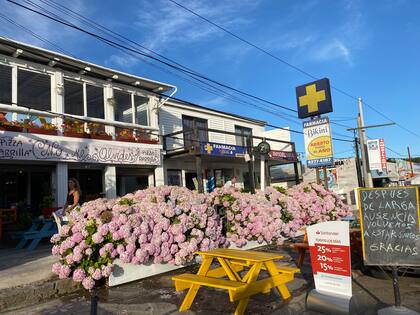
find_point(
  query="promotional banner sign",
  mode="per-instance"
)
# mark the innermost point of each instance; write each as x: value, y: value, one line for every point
x: 389, y: 220
x: 331, y: 176
x: 329, y: 246
x: 34, y: 147
x: 284, y: 156
x: 220, y: 149
x: 377, y: 154
x: 314, y: 98
x: 318, y: 143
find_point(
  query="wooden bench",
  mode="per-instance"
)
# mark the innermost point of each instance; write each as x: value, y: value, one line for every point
x: 207, y: 281
x: 301, y: 248
x: 40, y: 229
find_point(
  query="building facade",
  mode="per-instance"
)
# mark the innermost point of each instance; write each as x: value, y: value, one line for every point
x: 63, y: 118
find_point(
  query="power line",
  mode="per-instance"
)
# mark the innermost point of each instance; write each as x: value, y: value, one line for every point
x: 287, y: 63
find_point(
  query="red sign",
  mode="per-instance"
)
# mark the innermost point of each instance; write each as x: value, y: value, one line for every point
x: 330, y: 258
x: 383, y: 154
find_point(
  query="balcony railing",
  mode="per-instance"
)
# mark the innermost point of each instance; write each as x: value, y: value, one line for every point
x: 70, y: 126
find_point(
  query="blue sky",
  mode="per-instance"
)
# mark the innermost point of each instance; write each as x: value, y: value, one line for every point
x: 367, y: 48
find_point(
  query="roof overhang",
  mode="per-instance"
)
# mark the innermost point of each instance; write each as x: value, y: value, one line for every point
x: 46, y: 57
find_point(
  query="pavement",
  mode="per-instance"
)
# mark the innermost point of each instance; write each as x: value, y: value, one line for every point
x: 156, y: 295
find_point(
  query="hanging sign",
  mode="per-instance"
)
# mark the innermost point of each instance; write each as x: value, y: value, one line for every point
x: 389, y: 220
x: 219, y: 149
x: 329, y: 246
x: 318, y: 143
x: 377, y: 154
x: 283, y: 156
x: 34, y: 147
x: 314, y: 98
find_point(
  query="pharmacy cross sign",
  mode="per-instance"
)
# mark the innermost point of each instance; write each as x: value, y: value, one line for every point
x: 314, y: 98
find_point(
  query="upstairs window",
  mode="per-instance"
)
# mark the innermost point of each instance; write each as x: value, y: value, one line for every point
x: 73, y: 98
x: 95, y: 101
x: 34, y: 90
x: 5, y: 84
x: 244, y: 132
x: 123, y: 107
x: 141, y: 105
x: 188, y: 124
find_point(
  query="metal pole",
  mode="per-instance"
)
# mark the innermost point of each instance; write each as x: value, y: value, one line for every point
x: 250, y: 165
x: 199, y: 169
x: 93, y: 303
x: 362, y: 138
x: 396, y: 286
x: 262, y: 171
x: 318, y: 179
x: 358, y: 170
x: 411, y: 162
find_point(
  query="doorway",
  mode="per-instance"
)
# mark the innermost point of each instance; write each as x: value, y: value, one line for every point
x: 91, y: 183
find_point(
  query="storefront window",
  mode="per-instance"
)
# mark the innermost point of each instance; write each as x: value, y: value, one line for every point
x: 95, y: 101
x: 123, y: 107
x: 73, y: 98
x: 141, y: 105
x: 5, y: 84
x: 174, y: 178
x: 244, y: 132
x: 34, y: 90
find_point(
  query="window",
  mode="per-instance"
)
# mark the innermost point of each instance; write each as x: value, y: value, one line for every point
x: 123, y: 107
x: 244, y: 132
x: 141, y: 106
x: 188, y: 124
x: 174, y: 177
x: 5, y: 84
x: 73, y: 98
x: 95, y: 101
x: 34, y: 90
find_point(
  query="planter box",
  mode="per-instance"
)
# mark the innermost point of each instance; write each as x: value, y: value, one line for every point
x: 124, y: 273
x: 11, y: 128
x: 148, y: 141
x: 125, y: 139
x: 101, y: 137
x: 74, y: 134
x: 42, y: 131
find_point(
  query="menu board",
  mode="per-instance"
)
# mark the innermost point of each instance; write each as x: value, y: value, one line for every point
x: 389, y: 219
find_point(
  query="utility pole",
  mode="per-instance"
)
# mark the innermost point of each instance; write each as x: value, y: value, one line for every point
x: 358, y: 169
x: 362, y: 138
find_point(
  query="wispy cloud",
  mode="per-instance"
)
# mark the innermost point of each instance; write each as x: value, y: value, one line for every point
x: 168, y: 24
x: 333, y: 49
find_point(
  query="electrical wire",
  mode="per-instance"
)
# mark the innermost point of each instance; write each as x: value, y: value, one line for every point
x: 289, y: 64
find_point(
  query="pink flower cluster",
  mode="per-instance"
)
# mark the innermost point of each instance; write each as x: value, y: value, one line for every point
x: 170, y: 224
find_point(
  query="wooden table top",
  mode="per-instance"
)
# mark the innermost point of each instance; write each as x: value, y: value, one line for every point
x: 238, y: 254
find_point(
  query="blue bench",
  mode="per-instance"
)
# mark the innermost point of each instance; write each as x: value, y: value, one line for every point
x: 40, y: 229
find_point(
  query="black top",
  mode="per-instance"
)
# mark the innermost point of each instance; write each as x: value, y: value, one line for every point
x: 70, y: 199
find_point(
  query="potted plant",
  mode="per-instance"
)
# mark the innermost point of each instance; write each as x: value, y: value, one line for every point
x: 126, y: 135
x: 74, y: 128
x: 144, y: 137
x: 46, y: 206
x: 46, y: 128
x: 14, y: 126
x: 97, y: 131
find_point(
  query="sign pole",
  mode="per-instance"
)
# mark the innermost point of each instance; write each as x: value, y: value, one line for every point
x: 318, y: 180
x: 324, y: 168
x: 396, y: 286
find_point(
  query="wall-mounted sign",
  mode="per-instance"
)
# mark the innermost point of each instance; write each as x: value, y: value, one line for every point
x: 318, y: 143
x: 329, y: 245
x: 263, y: 148
x: 219, y: 149
x: 33, y: 147
x: 283, y: 156
x: 389, y: 220
x: 314, y: 98
x: 377, y: 154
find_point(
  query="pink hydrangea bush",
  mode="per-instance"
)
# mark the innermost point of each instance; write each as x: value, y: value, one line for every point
x: 170, y: 224
x: 248, y: 217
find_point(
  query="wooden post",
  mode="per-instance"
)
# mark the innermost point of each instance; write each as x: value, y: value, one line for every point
x: 318, y: 180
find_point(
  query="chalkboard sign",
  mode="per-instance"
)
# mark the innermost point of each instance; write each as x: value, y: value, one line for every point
x: 389, y: 219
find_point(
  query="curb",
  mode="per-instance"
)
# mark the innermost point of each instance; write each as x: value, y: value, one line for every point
x: 33, y: 293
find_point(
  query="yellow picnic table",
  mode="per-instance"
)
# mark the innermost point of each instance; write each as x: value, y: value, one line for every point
x: 240, y: 288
